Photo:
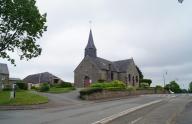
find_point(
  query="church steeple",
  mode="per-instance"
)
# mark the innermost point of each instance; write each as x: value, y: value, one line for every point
x: 90, y: 49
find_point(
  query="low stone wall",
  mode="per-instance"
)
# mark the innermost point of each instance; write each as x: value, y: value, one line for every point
x: 105, y: 94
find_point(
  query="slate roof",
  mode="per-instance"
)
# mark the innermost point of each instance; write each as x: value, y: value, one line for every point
x: 40, y: 78
x: 90, y: 44
x: 117, y: 66
x: 4, y: 69
x: 123, y: 64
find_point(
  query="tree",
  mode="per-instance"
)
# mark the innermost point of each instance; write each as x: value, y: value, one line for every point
x: 148, y: 81
x: 190, y: 87
x: 21, y: 24
x: 173, y: 86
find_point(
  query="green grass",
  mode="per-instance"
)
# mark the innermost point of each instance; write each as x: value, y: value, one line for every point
x: 22, y: 98
x: 60, y: 90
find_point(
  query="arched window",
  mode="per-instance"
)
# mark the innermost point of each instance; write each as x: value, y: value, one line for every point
x: 129, y: 77
x: 133, y: 81
x: 137, y: 79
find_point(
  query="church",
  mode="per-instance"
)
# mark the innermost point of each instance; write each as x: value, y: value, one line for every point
x: 93, y: 68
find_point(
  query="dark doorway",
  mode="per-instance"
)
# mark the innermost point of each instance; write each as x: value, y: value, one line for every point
x: 55, y: 81
x: 87, y: 81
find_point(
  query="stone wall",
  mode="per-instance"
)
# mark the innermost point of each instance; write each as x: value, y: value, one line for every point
x: 105, y: 94
x: 86, y: 68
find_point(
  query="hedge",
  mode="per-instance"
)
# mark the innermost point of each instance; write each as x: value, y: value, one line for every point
x: 89, y: 91
x: 44, y: 87
x: 105, y: 85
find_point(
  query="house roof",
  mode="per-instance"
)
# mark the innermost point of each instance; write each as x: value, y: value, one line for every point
x: 14, y: 79
x: 4, y: 69
x: 117, y: 66
x: 40, y: 78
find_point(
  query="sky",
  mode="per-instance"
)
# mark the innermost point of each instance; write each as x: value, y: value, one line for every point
x: 156, y: 33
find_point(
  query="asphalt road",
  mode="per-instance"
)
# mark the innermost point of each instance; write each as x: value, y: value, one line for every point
x: 175, y: 110
x: 87, y: 113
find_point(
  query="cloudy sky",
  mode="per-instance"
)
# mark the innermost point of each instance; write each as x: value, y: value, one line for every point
x: 156, y: 33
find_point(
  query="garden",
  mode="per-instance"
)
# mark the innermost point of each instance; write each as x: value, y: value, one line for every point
x: 62, y: 87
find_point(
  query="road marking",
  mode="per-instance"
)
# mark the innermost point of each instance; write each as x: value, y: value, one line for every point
x: 115, y: 116
x: 135, y: 121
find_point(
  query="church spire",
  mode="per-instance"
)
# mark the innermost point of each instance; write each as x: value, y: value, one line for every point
x: 90, y: 49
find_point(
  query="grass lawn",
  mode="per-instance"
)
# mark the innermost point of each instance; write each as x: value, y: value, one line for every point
x: 60, y: 90
x: 22, y: 98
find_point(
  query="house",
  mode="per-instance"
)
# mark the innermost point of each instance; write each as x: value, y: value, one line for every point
x: 45, y: 77
x: 93, y: 68
x: 4, y: 75
x: 14, y: 80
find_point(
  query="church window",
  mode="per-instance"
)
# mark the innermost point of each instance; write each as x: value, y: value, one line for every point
x: 133, y: 81
x: 129, y: 77
x: 137, y: 79
x: 112, y: 76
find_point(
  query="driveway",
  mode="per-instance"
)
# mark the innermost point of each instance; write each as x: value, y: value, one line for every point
x: 64, y: 99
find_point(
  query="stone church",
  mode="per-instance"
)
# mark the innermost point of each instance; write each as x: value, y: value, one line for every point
x: 93, y: 68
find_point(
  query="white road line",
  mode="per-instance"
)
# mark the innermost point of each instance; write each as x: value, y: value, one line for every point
x: 110, y: 118
x: 135, y: 121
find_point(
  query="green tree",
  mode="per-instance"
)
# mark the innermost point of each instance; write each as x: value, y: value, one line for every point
x: 148, y: 81
x: 21, y: 24
x: 173, y: 86
x: 190, y: 87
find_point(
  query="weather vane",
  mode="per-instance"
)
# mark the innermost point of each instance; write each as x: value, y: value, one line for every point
x: 90, y: 23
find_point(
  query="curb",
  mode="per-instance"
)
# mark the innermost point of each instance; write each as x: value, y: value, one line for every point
x: 115, y: 116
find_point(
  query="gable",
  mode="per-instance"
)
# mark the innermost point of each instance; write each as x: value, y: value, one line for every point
x: 85, y: 62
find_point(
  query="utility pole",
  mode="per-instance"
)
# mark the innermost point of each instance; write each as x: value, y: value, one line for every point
x: 164, y: 80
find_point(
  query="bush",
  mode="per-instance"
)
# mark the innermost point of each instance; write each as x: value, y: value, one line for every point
x: 44, y: 87
x: 114, y: 89
x: 21, y: 85
x: 144, y: 85
x: 89, y: 91
x: 130, y: 88
x: 158, y: 87
x: 107, y: 85
x: 149, y: 81
x: 7, y: 88
x: 65, y: 84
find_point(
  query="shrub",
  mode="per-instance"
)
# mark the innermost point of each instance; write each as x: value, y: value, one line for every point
x: 44, y: 87
x: 65, y: 84
x: 7, y: 88
x: 114, y: 89
x: 107, y: 85
x: 144, y: 85
x: 89, y: 91
x: 149, y: 81
x: 158, y: 87
x: 130, y: 88
x: 21, y: 85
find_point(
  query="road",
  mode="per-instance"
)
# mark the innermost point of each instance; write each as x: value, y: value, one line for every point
x: 91, y: 112
x: 176, y: 110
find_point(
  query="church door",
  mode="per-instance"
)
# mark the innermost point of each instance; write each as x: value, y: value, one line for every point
x: 87, y: 81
